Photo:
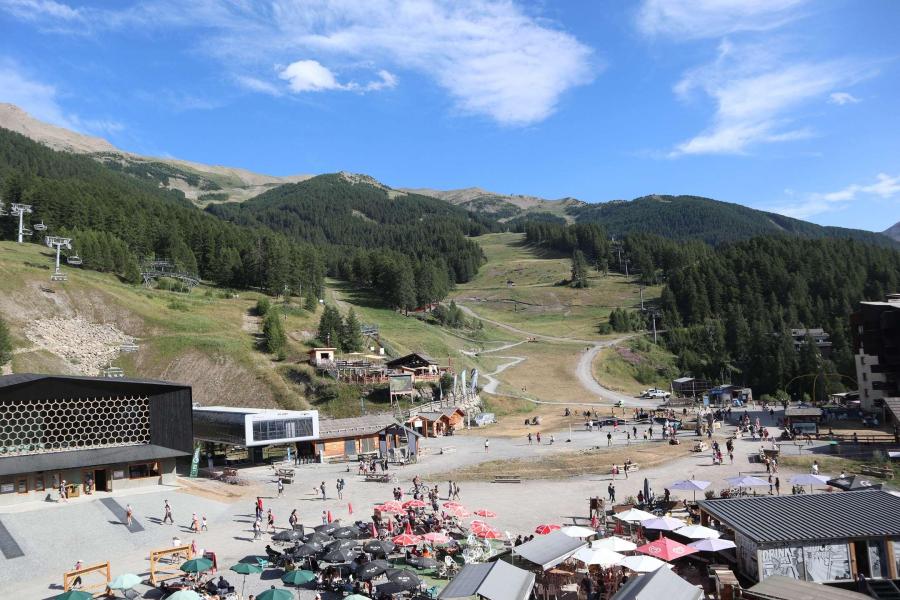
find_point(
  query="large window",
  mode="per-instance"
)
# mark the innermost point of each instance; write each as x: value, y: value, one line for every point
x: 280, y: 429
x: 143, y: 470
x: 40, y: 426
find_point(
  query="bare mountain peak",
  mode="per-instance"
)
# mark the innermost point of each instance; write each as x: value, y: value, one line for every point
x: 893, y: 231
x: 15, y: 119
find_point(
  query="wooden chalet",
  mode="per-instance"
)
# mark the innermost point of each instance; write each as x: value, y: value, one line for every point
x: 421, y: 366
x: 436, y: 423
x: 370, y: 435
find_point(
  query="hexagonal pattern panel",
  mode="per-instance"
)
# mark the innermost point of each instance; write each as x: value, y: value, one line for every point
x: 40, y: 426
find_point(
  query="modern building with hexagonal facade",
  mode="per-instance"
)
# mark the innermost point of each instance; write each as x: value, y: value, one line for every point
x: 96, y: 434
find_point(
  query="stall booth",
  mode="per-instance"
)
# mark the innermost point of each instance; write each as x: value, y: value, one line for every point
x: 803, y: 419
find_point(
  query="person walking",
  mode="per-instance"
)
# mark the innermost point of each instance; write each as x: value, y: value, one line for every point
x: 63, y: 492
x: 324, y: 517
x: 292, y: 520
x: 455, y: 491
x: 203, y: 526
x: 609, y: 439
x: 257, y: 529
x: 777, y: 486
x: 322, y: 488
x: 450, y: 490
x: 340, y: 489
x: 529, y: 438
x: 611, y: 489
x: 280, y: 487
x: 270, y: 521
x: 487, y: 445
x: 815, y: 467
x: 538, y: 437
x: 167, y: 514
x: 259, y: 507
x: 77, y: 582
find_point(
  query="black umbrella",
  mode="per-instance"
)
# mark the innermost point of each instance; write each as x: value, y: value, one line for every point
x: 305, y: 550
x: 853, y: 483
x: 288, y: 535
x: 342, y: 569
x: 423, y: 562
x: 390, y: 588
x: 319, y: 538
x: 328, y: 528
x: 339, y: 555
x: 379, y: 547
x: 346, y: 533
x: 407, y: 579
x: 340, y: 545
x: 369, y: 571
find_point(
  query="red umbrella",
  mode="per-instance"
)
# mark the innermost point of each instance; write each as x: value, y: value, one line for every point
x: 406, y: 540
x: 414, y: 504
x: 436, y: 538
x: 666, y: 549
x: 477, y: 526
x: 392, y: 506
x: 408, y: 530
x: 545, y: 529
x: 452, y: 505
x: 374, y: 531
x: 490, y: 533
x: 459, y: 512
x: 483, y: 512
x: 329, y: 516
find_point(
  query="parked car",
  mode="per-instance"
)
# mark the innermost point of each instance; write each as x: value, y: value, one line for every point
x: 655, y: 393
x: 607, y: 421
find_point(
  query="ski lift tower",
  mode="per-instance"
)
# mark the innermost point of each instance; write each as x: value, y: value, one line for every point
x: 20, y: 210
x: 53, y: 241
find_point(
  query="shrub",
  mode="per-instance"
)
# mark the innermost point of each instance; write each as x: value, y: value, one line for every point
x: 262, y: 306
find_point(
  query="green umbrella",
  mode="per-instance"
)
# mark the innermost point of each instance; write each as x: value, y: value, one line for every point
x: 246, y: 568
x: 196, y: 565
x: 184, y: 595
x: 298, y: 577
x: 274, y: 593
x: 124, y: 582
x: 74, y: 595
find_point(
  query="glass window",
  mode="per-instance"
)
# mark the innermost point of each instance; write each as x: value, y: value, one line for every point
x: 143, y: 470
x: 39, y: 483
x: 22, y: 486
x: 279, y: 429
x: 7, y: 487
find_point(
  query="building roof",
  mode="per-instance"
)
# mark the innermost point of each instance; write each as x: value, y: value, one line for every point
x: 893, y: 405
x: 497, y: 581
x: 662, y: 583
x: 353, y: 426
x: 683, y: 379
x: 809, y: 517
x: 17, y: 379
x: 413, y: 357
x: 778, y: 587
x: 256, y: 411
x: 76, y: 459
x: 550, y: 550
x: 434, y: 415
x: 803, y: 412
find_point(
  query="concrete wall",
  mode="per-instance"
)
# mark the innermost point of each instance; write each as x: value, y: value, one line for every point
x: 865, y: 378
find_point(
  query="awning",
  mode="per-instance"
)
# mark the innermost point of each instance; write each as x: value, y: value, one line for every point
x: 661, y: 583
x: 496, y: 581
x: 549, y: 550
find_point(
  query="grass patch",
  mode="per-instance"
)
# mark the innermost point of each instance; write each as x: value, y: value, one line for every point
x: 634, y: 366
x: 833, y: 465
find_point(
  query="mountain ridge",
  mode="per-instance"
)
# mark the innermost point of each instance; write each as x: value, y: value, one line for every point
x: 893, y: 231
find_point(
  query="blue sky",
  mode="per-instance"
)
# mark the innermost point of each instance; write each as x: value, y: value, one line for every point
x: 784, y: 105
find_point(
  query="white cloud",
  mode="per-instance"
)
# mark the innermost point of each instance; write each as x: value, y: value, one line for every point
x: 254, y: 84
x: 40, y: 101
x: 38, y: 10
x: 885, y: 187
x: 714, y: 18
x: 755, y: 89
x: 492, y: 57
x: 842, y: 98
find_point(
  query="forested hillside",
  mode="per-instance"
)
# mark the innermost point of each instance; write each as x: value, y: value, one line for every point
x: 712, y: 221
x: 116, y: 220
x: 410, y: 247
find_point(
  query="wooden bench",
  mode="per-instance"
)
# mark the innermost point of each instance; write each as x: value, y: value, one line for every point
x: 286, y: 475
x: 883, y: 473
x: 507, y: 479
x: 381, y: 477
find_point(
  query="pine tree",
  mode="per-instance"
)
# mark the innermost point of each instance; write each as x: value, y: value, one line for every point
x: 351, y: 335
x: 330, y: 327
x: 579, y: 270
x: 273, y: 332
x: 5, y: 343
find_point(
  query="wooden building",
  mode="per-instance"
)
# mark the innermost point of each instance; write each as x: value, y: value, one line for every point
x: 421, y: 366
x: 803, y: 419
x: 437, y: 423
x: 823, y: 538
x: 370, y: 435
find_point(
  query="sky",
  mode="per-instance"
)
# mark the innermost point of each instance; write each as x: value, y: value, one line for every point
x: 791, y: 106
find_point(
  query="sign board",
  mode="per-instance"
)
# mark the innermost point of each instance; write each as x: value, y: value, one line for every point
x: 195, y: 462
x: 401, y: 384
x: 705, y: 400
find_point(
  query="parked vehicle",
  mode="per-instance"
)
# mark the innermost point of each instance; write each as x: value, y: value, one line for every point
x: 655, y: 393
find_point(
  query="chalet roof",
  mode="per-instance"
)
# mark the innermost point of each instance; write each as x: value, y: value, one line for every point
x: 803, y: 412
x: 353, y: 426
x: 778, y: 587
x: 24, y: 378
x: 415, y: 357
x: 683, y: 380
x: 662, y: 583
x: 550, y: 550
x: 495, y: 580
x: 809, y: 517
x: 893, y: 405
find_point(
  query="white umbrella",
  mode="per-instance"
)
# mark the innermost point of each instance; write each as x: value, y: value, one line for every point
x: 698, y: 532
x: 124, y: 582
x: 634, y: 514
x: 598, y: 556
x: 663, y: 523
x: 577, y: 531
x: 641, y: 563
x: 712, y: 545
x: 810, y: 480
x: 616, y: 544
x: 690, y: 485
x: 747, y: 481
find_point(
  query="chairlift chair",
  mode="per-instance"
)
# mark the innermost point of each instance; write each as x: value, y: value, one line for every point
x: 74, y: 259
x: 27, y: 232
x: 40, y: 226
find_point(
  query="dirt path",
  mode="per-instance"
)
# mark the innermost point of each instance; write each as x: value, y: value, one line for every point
x: 493, y: 382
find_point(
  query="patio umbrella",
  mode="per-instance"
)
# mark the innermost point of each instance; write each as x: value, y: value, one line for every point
x: 356, y: 597
x: 747, y: 481
x: 663, y: 523
x: 340, y: 545
x: 414, y: 504
x: 346, y: 533
x: 304, y: 550
x: 369, y: 571
x: 386, y: 508
x: 545, y: 529
x: 483, y: 512
x: 490, y: 533
x: 423, y: 562
x: 184, y: 595
x: 392, y: 506
x: 407, y: 579
x: 196, y: 565
x: 634, y: 514
x: 318, y: 538
x: 854, y: 482
x: 646, y: 490
x: 666, y: 549
x: 712, y: 545
x: 577, y: 531
x: 598, y: 556
x: 435, y: 537
x: 476, y: 526
x: 124, y: 582
x: 379, y: 547
x: 245, y: 569
x: 698, y: 532
x: 406, y: 540
x: 690, y: 485
x: 274, y: 593
x: 809, y: 479
x: 460, y: 512
x: 390, y: 589
x: 642, y: 564
x: 298, y: 577
x: 339, y: 555
x: 451, y: 505
x: 288, y: 535
x: 74, y: 595
x: 616, y: 544
x: 328, y: 528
